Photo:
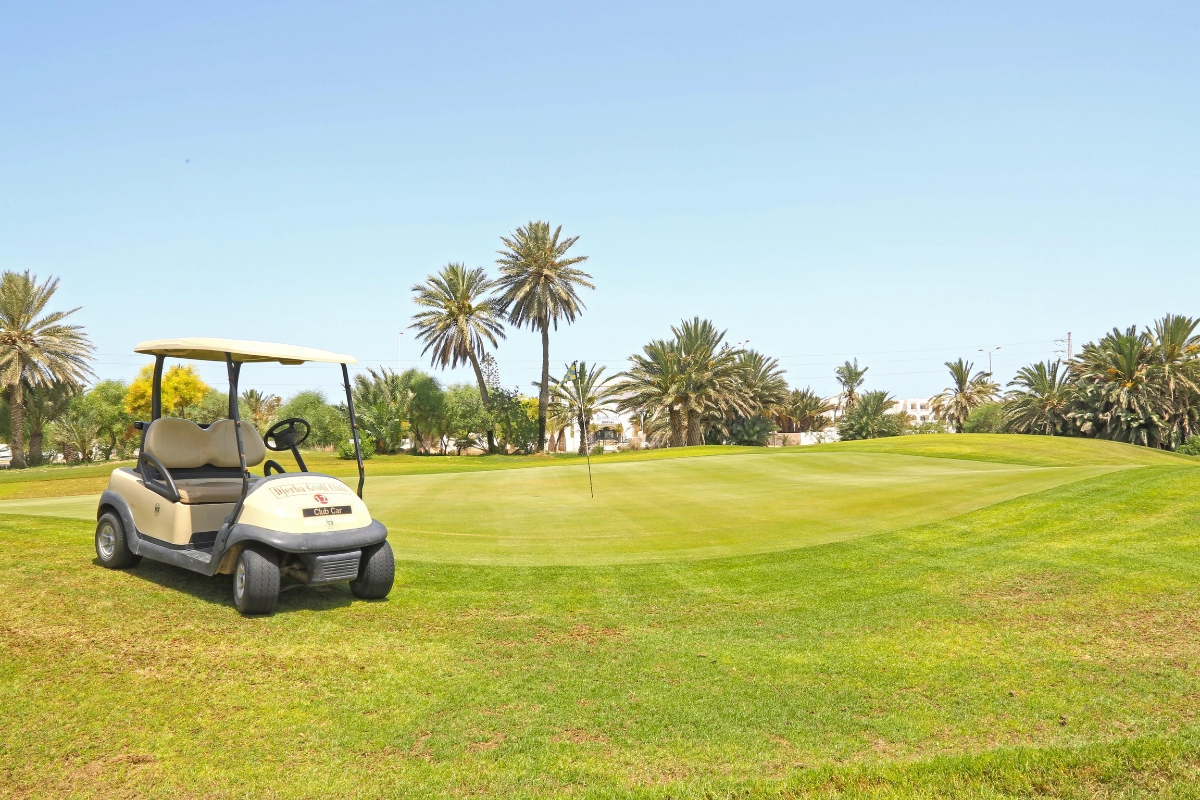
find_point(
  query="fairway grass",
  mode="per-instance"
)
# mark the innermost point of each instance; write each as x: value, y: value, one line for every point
x: 1045, y: 644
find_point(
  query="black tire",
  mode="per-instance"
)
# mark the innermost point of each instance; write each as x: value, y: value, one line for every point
x: 256, y: 581
x: 376, y: 573
x: 112, y: 548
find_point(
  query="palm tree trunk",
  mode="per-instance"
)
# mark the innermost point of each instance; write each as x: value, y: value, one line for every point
x: 695, y: 429
x: 483, y: 393
x: 583, y: 442
x: 17, y: 409
x: 544, y: 394
x: 675, y: 416
x: 35, y: 448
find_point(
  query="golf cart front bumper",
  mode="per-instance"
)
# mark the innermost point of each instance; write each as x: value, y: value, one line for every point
x: 306, y: 543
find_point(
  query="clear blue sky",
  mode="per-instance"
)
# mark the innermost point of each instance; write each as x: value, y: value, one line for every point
x: 901, y: 184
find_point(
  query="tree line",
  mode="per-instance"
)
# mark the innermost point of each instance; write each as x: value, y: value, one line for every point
x: 694, y: 387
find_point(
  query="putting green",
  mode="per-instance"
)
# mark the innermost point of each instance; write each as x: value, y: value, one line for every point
x: 688, y: 508
x: 673, y: 509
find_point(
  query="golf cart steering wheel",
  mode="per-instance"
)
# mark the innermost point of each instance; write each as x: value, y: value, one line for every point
x: 286, y: 434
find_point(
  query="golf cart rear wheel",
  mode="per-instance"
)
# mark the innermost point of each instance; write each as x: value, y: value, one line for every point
x: 256, y: 581
x: 111, y: 546
x: 376, y: 573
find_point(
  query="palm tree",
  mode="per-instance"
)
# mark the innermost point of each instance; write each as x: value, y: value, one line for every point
x: 868, y: 417
x: 1042, y: 402
x: 459, y: 322
x: 381, y: 403
x: 966, y: 393
x: 45, y: 404
x: 583, y: 392
x: 805, y: 410
x: 261, y: 408
x: 762, y: 384
x: 653, y: 385
x: 710, y: 376
x: 850, y: 376
x: 35, y: 351
x: 1176, y: 357
x: 1119, y: 398
x: 538, y: 287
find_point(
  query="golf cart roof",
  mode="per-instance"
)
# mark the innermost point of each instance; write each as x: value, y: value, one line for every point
x: 202, y: 349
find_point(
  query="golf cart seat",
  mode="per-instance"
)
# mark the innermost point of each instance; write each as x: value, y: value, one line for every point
x: 204, y: 462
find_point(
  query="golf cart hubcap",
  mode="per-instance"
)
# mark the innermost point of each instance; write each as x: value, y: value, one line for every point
x: 239, y: 580
x: 108, y: 542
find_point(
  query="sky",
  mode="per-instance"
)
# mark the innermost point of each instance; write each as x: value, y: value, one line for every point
x: 898, y: 183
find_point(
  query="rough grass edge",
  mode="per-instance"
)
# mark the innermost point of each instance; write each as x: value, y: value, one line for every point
x: 1149, y: 766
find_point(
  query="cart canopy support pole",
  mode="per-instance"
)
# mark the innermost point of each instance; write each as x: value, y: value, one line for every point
x: 233, y: 371
x: 156, y: 389
x: 362, y: 475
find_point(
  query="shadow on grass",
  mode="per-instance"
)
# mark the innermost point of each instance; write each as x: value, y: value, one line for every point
x: 218, y: 590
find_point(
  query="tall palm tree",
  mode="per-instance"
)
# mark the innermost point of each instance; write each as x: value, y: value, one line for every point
x: 583, y: 392
x: 1042, y: 401
x: 850, y: 376
x: 459, y: 322
x: 805, y: 410
x: 653, y: 385
x: 711, y: 385
x: 1119, y: 398
x: 1175, y: 353
x: 966, y: 393
x: 35, y: 350
x: 538, y: 288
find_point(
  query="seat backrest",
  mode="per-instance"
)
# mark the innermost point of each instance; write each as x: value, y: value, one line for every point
x: 182, y: 444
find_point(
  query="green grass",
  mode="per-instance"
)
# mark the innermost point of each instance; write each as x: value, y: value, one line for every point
x: 1046, y: 645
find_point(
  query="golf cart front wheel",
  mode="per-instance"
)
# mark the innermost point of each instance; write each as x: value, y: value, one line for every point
x: 256, y: 581
x: 376, y: 573
x: 112, y: 548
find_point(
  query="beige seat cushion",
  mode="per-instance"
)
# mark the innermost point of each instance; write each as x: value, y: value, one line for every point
x: 182, y: 444
x: 209, y: 492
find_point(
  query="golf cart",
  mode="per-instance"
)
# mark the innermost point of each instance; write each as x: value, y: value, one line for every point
x: 192, y: 501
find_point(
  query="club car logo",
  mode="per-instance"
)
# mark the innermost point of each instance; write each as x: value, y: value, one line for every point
x: 320, y: 498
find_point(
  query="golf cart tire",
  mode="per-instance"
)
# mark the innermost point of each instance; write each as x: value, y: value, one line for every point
x: 376, y: 573
x: 112, y: 548
x: 256, y: 581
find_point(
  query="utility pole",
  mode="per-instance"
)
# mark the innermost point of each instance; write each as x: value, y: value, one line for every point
x: 1070, y: 348
x: 989, y: 351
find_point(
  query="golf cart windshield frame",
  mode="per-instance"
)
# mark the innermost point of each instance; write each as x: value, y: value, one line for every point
x: 233, y: 370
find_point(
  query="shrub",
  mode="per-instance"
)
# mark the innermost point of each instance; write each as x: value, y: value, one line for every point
x: 1191, y: 447
x: 750, y: 431
x: 986, y: 418
x: 329, y: 424
x: 345, y: 448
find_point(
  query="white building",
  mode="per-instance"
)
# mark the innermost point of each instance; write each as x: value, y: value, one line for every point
x: 611, y: 429
x: 919, y: 408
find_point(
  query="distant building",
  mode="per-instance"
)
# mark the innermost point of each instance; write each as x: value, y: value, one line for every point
x: 919, y: 408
